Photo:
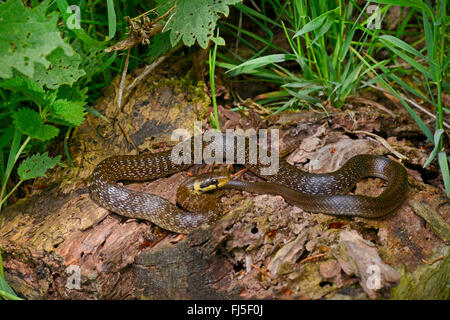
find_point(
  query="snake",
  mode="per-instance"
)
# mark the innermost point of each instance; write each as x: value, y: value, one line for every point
x: 313, y: 192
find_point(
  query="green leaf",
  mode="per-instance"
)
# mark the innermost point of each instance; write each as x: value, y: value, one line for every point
x: 29, y: 122
x: 303, y: 95
x: 213, y: 121
x: 252, y: 64
x: 28, y: 36
x: 112, y: 23
x: 36, y: 166
x: 345, y: 46
x: 15, y: 145
x: 413, y: 63
x: 418, y: 4
x: 64, y: 70
x: 218, y: 41
x: 324, y: 29
x: 46, y: 132
x: 196, y: 20
x: 27, y: 87
x: 301, y: 84
x: 443, y: 163
x: 6, y: 137
x: 437, y: 138
x: 401, y: 44
x: 315, y: 23
x: 6, y: 292
x: 70, y: 112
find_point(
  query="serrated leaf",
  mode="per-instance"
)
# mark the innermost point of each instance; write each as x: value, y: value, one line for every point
x: 70, y: 112
x: 196, y: 20
x: 63, y: 70
x: 36, y: 166
x: 46, y: 132
x: 29, y: 122
x: 28, y: 36
x: 26, y: 87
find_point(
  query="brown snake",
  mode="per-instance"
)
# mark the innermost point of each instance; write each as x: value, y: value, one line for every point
x: 312, y: 192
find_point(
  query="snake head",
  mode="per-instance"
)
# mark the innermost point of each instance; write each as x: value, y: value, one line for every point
x: 208, y: 182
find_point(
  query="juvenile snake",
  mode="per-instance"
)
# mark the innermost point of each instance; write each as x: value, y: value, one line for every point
x: 312, y: 192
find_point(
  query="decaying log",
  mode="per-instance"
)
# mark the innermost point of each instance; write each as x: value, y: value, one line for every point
x: 262, y: 248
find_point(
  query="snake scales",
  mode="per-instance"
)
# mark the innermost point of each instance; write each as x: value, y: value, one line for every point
x: 313, y: 192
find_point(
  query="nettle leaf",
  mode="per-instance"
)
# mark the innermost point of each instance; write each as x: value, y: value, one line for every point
x: 72, y: 93
x: 63, y: 70
x: 27, y: 87
x: 37, y: 165
x: 29, y: 122
x: 70, y: 112
x: 196, y: 20
x: 46, y: 132
x: 28, y: 36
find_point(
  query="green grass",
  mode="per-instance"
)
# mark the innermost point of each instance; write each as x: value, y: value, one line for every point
x: 319, y: 35
x: 213, y: 118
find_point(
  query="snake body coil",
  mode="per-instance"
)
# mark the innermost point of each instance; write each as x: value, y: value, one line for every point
x: 311, y: 191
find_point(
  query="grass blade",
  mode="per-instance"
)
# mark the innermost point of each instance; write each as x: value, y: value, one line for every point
x: 315, y: 23
x: 443, y: 163
x: 418, y: 4
x: 259, y: 62
x: 437, y: 138
x: 111, y: 19
x: 388, y: 39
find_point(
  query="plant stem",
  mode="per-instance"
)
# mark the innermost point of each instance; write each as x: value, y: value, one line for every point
x: 212, y: 67
x: 19, y: 152
x: 10, y: 193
